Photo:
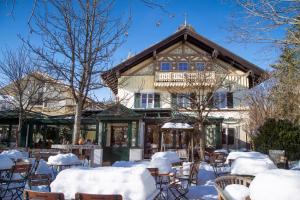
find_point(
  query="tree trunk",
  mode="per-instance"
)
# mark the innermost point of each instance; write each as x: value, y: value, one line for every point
x: 202, y: 141
x: 77, y: 122
x: 20, y: 124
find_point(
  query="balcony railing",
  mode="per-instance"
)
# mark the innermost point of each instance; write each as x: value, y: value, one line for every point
x: 207, y: 78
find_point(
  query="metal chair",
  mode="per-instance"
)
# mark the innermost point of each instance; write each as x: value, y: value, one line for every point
x: 180, y: 187
x: 15, y: 183
x: 33, y: 195
x: 82, y: 196
x: 39, y: 180
x: 217, y: 161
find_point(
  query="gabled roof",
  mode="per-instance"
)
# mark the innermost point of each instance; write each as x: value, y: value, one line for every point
x: 186, y: 33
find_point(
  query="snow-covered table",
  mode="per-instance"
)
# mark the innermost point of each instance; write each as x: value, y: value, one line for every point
x: 171, y: 156
x: 277, y: 184
x: 251, y: 166
x: 238, y: 154
x: 131, y: 183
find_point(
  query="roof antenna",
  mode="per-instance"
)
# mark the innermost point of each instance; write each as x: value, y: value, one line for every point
x: 185, y: 19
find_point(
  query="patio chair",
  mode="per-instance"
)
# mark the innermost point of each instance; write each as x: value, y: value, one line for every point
x: 14, y: 185
x: 223, y: 181
x: 33, y: 195
x: 82, y: 196
x: 180, y: 186
x: 39, y: 180
x: 217, y: 161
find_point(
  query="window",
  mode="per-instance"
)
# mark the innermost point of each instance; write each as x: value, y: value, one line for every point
x: 147, y: 100
x: 165, y: 66
x: 183, y: 66
x: 220, y: 99
x: 183, y: 100
x: 200, y: 66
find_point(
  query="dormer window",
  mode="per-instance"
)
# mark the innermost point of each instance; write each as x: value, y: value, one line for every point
x: 165, y: 66
x: 200, y: 66
x: 183, y: 66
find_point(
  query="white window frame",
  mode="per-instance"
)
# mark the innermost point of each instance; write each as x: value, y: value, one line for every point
x: 148, y: 105
x: 186, y: 102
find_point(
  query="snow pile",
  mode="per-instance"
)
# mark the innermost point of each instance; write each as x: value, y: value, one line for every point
x: 131, y: 183
x: 164, y: 165
x: 122, y: 163
x: 169, y: 155
x: 5, y: 162
x: 14, y: 154
x: 277, y: 184
x: 43, y: 168
x: 251, y: 166
x: 237, y: 192
x: 63, y: 159
x: 206, y: 188
x: 252, y: 154
x: 295, y: 165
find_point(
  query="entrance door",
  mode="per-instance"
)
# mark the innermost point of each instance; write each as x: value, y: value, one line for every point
x: 117, y: 142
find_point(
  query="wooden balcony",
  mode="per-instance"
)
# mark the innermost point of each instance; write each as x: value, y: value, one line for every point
x: 190, y: 79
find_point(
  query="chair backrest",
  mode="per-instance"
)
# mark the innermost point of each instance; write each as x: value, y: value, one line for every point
x: 29, y: 194
x: 218, y: 157
x: 82, y: 196
x: 193, y: 176
x: 39, y: 180
x: 22, y: 168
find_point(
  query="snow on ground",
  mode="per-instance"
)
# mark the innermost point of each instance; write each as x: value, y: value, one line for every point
x: 238, y: 154
x: 251, y: 166
x: 5, y: 162
x: 205, y: 189
x: 15, y: 154
x: 277, y: 184
x: 131, y: 183
x: 295, y: 165
x: 63, y: 159
x: 237, y: 192
x: 169, y: 155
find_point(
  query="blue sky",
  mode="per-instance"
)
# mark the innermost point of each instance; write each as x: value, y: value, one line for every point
x: 209, y: 18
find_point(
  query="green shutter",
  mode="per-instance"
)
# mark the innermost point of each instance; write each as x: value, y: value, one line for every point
x: 137, y: 100
x: 229, y: 99
x: 156, y: 100
x: 173, y: 100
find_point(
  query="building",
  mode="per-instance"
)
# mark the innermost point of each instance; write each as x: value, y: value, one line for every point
x: 150, y: 83
x: 49, y: 108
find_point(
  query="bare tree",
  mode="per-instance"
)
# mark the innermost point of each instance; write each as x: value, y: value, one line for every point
x: 260, y: 106
x: 19, y: 85
x: 79, y: 38
x: 259, y: 20
x: 199, y: 97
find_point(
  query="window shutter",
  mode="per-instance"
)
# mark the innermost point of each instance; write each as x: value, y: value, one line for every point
x: 210, y: 100
x: 193, y: 100
x: 173, y: 100
x: 156, y: 100
x: 137, y: 100
x: 229, y: 100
